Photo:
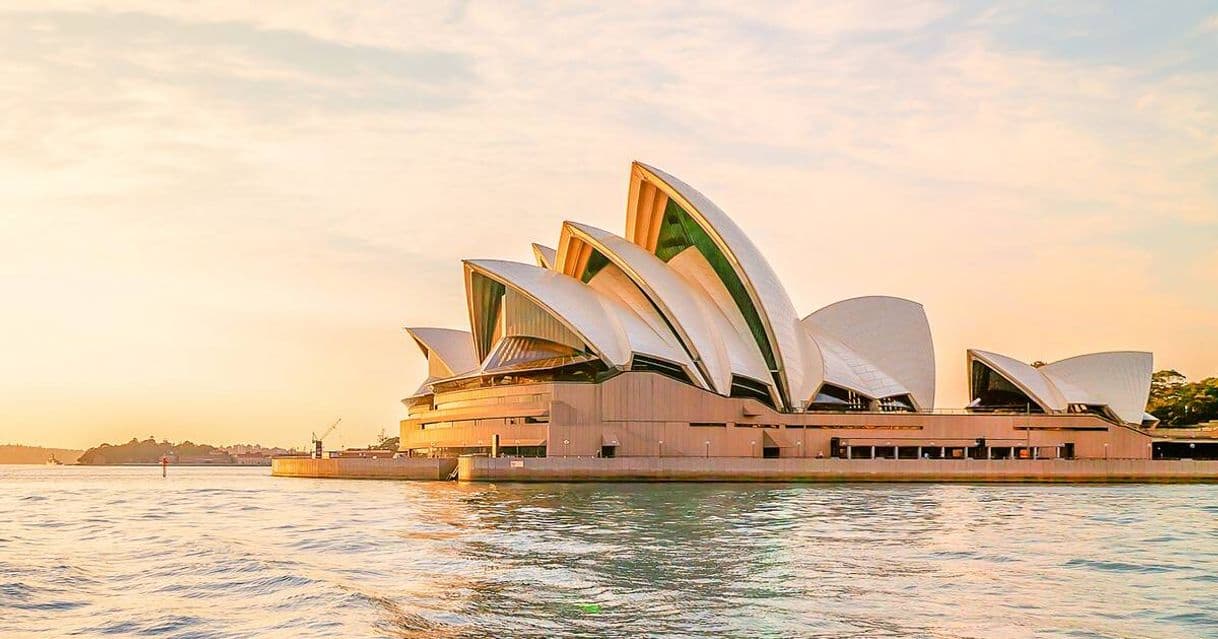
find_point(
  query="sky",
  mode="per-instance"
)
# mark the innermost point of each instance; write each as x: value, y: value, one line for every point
x: 216, y: 217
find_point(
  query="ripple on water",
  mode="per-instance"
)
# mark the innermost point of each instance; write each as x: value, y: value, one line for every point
x: 232, y: 552
x: 1117, y: 566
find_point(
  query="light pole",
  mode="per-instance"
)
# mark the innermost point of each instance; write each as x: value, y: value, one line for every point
x: 800, y: 445
x: 661, y: 448
x: 565, y: 447
x: 753, y: 448
x: 707, y: 442
x: 1105, y: 450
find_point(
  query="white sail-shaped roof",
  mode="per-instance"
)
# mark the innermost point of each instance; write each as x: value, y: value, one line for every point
x: 888, y: 340
x: 783, y: 342
x: 614, y: 283
x: 847, y: 368
x: 721, y: 312
x: 1119, y: 380
x: 1025, y: 377
x: 605, y: 325
x: 683, y: 306
x: 544, y: 255
x: 448, y: 351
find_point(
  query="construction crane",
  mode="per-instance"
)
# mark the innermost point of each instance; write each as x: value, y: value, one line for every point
x: 317, y: 439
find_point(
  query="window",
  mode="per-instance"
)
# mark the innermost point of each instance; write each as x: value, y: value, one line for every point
x: 897, y: 404
x: 596, y: 262
x: 743, y: 387
x: 831, y: 397
x: 667, y: 369
x: 992, y: 391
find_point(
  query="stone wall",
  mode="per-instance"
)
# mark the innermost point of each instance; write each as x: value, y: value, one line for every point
x: 832, y: 470
x: 359, y: 468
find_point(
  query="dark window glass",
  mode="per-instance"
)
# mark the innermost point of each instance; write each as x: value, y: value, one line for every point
x: 679, y: 231
x: 993, y: 391
x: 668, y: 369
x: 596, y: 262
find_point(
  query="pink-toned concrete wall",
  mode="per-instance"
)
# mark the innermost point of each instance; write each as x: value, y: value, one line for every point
x: 361, y: 468
x: 641, y: 410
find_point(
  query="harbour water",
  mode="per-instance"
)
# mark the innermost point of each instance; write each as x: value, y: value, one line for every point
x: 233, y: 552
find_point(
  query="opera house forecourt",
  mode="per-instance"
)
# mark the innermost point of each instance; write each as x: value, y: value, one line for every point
x: 673, y: 351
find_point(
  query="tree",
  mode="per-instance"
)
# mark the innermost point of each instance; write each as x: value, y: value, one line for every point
x: 1179, y: 402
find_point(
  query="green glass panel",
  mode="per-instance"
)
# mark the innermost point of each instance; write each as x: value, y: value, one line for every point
x: 679, y: 231
x: 488, y: 297
x: 596, y: 262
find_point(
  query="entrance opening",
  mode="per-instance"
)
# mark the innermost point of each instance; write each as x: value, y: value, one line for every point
x: 769, y: 452
x: 1204, y: 449
x: 608, y: 451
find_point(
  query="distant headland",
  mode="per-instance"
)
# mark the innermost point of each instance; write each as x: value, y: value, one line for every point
x: 18, y: 454
x: 150, y: 451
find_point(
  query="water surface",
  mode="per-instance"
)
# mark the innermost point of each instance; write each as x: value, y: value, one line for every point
x: 233, y: 552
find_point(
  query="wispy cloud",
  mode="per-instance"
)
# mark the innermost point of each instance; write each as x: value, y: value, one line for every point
x: 213, y: 180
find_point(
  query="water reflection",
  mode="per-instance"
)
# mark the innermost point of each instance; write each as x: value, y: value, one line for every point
x: 224, y: 552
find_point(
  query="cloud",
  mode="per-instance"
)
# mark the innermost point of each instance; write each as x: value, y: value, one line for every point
x: 235, y: 60
x: 296, y: 181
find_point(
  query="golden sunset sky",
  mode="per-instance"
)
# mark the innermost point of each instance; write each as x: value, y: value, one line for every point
x: 216, y: 217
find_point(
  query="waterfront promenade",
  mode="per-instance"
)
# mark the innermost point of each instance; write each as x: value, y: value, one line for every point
x: 745, y: 469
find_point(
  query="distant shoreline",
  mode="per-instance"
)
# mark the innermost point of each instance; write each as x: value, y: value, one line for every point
x: 22, y: 454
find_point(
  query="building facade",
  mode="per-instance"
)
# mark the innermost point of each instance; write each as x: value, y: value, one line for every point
x: 678, y: 339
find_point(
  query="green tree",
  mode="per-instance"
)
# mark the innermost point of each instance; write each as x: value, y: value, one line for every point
x: 1179, y: 402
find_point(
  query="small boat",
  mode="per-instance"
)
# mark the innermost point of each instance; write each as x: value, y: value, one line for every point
x: 54, y: 462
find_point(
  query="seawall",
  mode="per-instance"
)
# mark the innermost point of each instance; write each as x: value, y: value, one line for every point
x: 832, y: 470
x: 354, y: 468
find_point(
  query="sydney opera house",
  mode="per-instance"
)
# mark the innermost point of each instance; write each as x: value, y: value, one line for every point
x: 678, y: 339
